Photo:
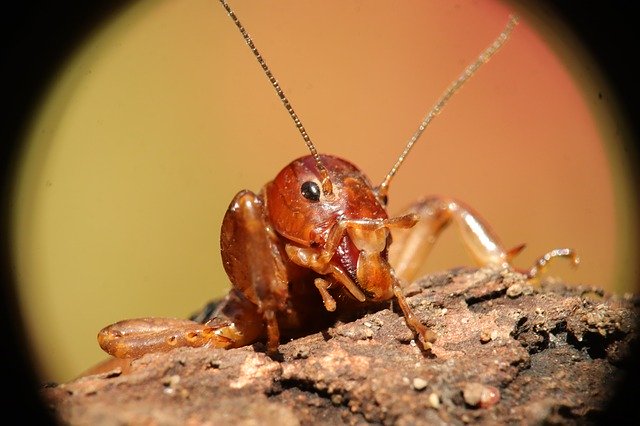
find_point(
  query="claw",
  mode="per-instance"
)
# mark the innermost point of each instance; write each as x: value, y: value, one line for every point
x: 542, y: 262
x: 514, y: 252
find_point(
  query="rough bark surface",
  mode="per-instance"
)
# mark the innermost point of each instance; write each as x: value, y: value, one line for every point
x: 508, y: 351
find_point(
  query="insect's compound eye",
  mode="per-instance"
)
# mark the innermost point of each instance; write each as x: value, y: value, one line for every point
x: 311, y: 191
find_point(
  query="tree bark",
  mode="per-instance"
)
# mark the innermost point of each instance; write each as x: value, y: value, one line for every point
x: 508, y: 351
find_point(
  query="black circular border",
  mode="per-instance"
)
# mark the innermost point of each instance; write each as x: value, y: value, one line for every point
x: 38, y: 37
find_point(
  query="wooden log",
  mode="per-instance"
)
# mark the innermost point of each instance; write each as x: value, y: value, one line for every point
x: 508, y: 351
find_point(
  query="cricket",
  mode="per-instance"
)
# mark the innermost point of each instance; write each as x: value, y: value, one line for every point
x: 317, y: 241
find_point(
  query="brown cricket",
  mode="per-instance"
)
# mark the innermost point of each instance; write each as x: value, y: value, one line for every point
x: 315, y: 242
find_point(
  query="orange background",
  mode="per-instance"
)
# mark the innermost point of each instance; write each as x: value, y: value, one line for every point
x: 163, y: 114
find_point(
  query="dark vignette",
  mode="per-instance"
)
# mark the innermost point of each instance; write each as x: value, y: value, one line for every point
x: 38, y: 37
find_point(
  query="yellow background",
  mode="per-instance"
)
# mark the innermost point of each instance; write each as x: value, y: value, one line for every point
x: 163, y: 114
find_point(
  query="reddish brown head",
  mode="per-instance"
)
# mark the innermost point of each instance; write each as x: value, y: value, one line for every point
x: 302, y: 213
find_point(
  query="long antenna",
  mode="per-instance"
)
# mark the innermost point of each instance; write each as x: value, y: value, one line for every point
x: 451, y: 90
x: 327, y: 187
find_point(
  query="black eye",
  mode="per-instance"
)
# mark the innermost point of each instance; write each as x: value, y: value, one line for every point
x: 311, y: 191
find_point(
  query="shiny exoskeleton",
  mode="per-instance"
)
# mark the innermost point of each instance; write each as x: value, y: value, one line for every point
x: 295, y: 256
x: 315, y: 243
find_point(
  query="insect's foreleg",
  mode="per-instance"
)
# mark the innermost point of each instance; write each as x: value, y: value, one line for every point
x: 426, y: 336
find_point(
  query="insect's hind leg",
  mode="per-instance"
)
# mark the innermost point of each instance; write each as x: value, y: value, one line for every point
x: 235, y: 322
x: 411, y: 247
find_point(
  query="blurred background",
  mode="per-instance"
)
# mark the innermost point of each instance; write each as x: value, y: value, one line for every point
x: 158, y: 115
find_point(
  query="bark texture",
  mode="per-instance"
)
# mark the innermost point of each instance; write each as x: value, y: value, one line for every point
x: 509, y: 351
